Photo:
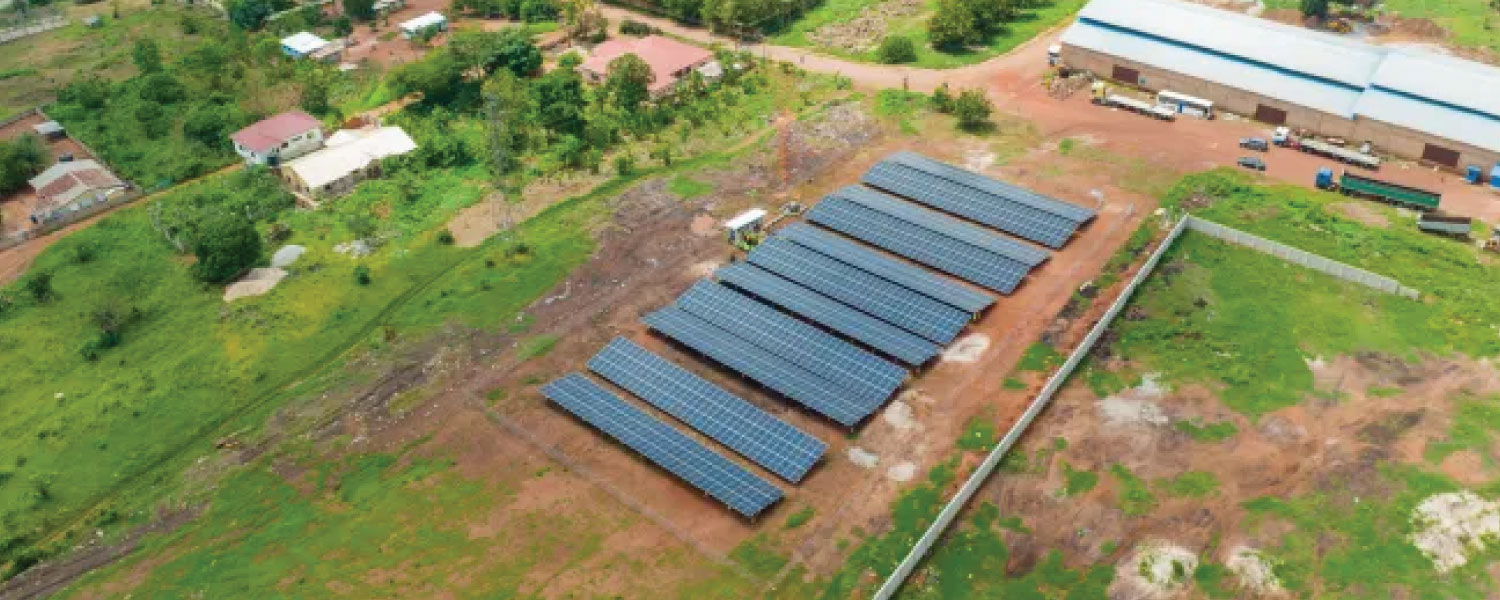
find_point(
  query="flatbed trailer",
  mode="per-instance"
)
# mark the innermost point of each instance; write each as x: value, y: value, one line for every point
x: 1350, y: 184
x: 1343, y: 155
x: 1452, y: 225
x: 1140, y: 107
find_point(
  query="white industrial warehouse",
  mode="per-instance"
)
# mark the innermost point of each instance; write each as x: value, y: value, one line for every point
x: 1440, y: 109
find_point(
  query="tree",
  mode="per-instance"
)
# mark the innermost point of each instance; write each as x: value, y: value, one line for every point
x: 537, y: 11
x: 628, y: 83
x: 951, y: 27
x: 314, y: 92
x: 896, y: 49
x: 508, y: 110
x: 249, y: 15
x: 582, y: 19
x: 163, y: 88
x: 210, y: 124
x: 510, y: 49
x: 361, y: 10
x: 942, y: 98
x: 342, y: 26
x: 1315, y: 8
x: 439, y: 77
x: 972, y: 109
x: 146, y: 55
x: 560, y: 98
x: 20, y: 160
x: 226, y: 245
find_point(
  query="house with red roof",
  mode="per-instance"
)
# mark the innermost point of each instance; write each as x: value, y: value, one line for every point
x: 70, y: 186
x: 669, y: 59
x: 278, y: 139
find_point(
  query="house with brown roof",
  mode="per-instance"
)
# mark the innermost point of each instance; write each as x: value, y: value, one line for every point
x: 72, y: 185
x: 279, y: 138
x: 669, y: 59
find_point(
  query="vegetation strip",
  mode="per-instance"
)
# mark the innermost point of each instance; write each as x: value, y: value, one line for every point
x: 971, y: 485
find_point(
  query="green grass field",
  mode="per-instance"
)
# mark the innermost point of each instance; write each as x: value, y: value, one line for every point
x: 1028, y: 25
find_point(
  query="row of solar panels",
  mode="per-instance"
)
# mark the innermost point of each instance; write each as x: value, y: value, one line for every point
x: 828, y: 287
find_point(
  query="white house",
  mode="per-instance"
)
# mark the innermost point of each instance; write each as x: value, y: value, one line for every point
x: 434, y: 21
x: 302, y: 44
x: 351, y: 156
x: 279, y: 138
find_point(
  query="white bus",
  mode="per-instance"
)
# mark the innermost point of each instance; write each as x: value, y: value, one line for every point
x: 1186, y: 104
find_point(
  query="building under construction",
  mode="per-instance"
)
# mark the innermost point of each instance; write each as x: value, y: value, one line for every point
x: 1440, y: 109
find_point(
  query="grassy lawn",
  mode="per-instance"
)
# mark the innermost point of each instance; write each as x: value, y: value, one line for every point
x: 1028, y: 25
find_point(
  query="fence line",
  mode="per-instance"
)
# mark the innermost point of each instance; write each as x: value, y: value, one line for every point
x: 20, y: 115
x: 16, y: 239
x: 1043, y: 398
x: 1301, y: 257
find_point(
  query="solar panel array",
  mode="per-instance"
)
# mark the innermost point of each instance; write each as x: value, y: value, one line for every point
x: 874, y: 333
x: 939, y: 223
x: 1006, y: 207
x: 978, y: 266
x: 708, y: 408
x: 865, y: 378
x: 743, y: 491
x: 870, y: 293
x: 901, y: 273
x: 772, y: 371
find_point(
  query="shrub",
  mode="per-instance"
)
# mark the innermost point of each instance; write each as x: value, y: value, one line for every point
x: 537, y: 11
x: 972, y: 109
x: 624, y: 165
x: 896, y: 49
x: 634, y: 27
x: 226, y: 245
x: 445, y: 237
x: 942, y: 99
x: 40, y: 286
x: 362, y: 275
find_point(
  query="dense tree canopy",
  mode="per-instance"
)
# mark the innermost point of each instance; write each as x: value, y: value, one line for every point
x: 226, y: 246
x: 628, y: 82
x: 21, y: 159
x: 510, y: 48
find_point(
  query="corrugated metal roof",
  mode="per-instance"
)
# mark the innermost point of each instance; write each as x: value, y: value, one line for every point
x: 1460, y: 126
x: 1222, y: 69
x: 1461, y: 83
x: 1443, y: 96
x: 1307, y: 52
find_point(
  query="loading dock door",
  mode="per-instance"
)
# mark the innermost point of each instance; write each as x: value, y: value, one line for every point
x: 1268, y: 114
x: 1440, y: 155
x: 1126, y: 74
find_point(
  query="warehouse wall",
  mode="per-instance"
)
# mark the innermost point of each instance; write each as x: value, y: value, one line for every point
x: 1227, y: 98
x: 1406, y: 142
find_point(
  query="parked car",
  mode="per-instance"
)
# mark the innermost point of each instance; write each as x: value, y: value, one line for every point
x: 1255, y: 143
x: 1252, y: 162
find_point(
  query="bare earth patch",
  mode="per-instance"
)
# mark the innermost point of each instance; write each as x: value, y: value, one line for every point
x: 967, y: 349
x: 1157, y: 569
x: 1362, y: 212
x: 863, y: 33
x: 1255, y: 571
x: 254, y: 283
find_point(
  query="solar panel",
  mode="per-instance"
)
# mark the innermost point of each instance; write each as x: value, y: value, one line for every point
x: 741, y: 490
x: 867, y: 378
x: 787, y: 379
x: 939, y: 223
x: 708, y: 408
x: 870, y: 331
x: 939, y: 252
x: 1006, y: 207
x: 880, y: 298
x: 901, y: 273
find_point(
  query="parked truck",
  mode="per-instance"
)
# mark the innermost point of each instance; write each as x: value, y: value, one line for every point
x: 1350, y: 184
x: 1449, y: 225
x: 1103, y: 97
x: 1283, y: 137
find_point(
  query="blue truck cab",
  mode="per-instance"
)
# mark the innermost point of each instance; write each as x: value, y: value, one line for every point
x: 1325, y: 179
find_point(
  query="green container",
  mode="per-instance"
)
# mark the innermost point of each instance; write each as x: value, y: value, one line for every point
x: 1376, y: 189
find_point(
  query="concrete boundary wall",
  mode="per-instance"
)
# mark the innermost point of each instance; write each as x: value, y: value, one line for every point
x: 1301, y: 257
x: 950, y: 511
x: 971, y: 486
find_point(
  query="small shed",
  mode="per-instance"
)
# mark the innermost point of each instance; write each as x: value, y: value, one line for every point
x: 302, y: 44
x: 50, y: 130
x: 433, y: 21
x: 745, y: 227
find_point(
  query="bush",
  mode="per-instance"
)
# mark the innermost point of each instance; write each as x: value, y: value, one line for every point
x: 634, y: 27
x: 362, y: 275
x: 896, y: 49
x: 624, y: 165
x: 226, y: 245
x: 942, y: 99
x: 537, y: 11
x: 445, y: 237
x: 40, y: 286
x: 972, y: 109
